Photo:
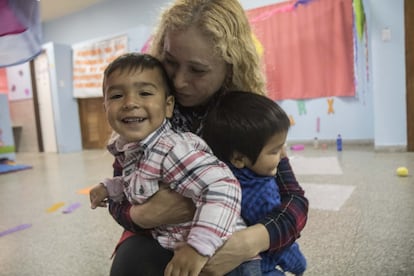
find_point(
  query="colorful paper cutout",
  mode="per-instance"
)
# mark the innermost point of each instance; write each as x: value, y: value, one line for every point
x: 318, y: 124
x: 330, y: 106
x: 301, y: 107
x: 359, y: 17
x: 258, y: 45
x: 301, y: 2
x: 292, y: 120
x: 145, y: 47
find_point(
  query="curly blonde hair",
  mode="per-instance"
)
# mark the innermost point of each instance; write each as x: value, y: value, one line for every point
x: 225, y: 23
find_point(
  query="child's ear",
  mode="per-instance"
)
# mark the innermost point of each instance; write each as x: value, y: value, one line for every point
x: 238, y: 160
x: 169, y: 106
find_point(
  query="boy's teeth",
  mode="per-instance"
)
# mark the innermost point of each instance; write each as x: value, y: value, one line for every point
x: 130, y: 120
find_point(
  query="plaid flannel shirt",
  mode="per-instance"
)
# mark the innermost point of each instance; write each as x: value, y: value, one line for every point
x: 185, y: 163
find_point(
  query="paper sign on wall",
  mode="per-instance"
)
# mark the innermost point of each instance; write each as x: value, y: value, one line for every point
x: 89, y: 62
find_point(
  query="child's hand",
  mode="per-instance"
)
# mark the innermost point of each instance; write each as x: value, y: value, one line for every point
x: 98, y: 195
x: 186, y: 261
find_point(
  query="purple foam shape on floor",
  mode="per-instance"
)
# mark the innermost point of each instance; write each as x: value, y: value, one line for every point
x: 15, y: 229
x: 71, y: 208
x: 298, y: 147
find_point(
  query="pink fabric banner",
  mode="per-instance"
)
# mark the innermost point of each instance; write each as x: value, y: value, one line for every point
x: 10, y: 24
x: 308, y: 48
x: 20, y: 31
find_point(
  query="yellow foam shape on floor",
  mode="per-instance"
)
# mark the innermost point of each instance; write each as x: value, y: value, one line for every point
x: 54, y: 207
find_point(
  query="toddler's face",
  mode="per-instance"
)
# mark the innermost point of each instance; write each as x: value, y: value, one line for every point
x: 136, y: 102
x: 269, y: 158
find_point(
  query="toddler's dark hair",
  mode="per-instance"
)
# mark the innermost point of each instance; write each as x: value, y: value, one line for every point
x: 135, y: 61
x: 244, y: 122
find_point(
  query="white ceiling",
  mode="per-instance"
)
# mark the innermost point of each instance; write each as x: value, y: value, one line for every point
x: 53, y: 9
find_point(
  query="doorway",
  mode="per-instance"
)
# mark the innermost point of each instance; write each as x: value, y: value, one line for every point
x: 94, y: 127
x: 44, y: 104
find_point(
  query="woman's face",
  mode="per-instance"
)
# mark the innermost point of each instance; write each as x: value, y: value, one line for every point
x: 197, y: 72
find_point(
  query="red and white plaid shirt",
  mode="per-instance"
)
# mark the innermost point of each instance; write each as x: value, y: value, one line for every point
x: 185, y: 163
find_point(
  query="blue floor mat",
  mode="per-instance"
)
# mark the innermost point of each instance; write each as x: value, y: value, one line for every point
x: 7, y: 168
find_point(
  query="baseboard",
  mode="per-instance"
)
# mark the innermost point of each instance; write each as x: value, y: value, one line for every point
x: 354, y: 143
x: 390, y: 148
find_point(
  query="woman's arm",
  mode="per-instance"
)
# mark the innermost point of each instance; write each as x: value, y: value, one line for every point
x: 276, y: 231
x: 165, y: 207
x: 242, y: 246
x: 285, y: 223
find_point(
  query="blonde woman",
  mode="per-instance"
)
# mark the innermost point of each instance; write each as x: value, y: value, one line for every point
x: 207, y: 49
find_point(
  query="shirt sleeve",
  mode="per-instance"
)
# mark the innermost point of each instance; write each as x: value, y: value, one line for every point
x: 285, y: 223
x: 115, y: 188
x: 197, y: 174
x: 120, y: 210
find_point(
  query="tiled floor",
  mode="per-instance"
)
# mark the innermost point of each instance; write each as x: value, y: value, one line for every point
x: 361, y: 220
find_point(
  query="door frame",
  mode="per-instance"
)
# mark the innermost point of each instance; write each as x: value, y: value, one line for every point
x: 409, y: 70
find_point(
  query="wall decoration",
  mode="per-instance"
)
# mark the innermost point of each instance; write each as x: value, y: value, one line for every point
x: 301, y: 107
x: 366, y: 53
x: 359, y: 14
x: 11, y: 24
x: 308, y: 48
x: 19, y: 82
x: 330, y: 106
x: 145, y: 47
x: 292, y: 120
x: 20, y: 31
x: 258, y: 46
x: 318, y: 124
x: 90, y: 60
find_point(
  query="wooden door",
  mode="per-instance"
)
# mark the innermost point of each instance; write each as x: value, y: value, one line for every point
x: 409, y: 67
x: 94, y: 127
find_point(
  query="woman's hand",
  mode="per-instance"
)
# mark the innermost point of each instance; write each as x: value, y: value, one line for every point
x: 242, y: 246
x: 164, y: 207
x: 186, y: 261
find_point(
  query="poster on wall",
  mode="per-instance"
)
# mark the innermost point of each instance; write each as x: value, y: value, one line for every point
x: 89, y: 62
x: 19, y: 82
